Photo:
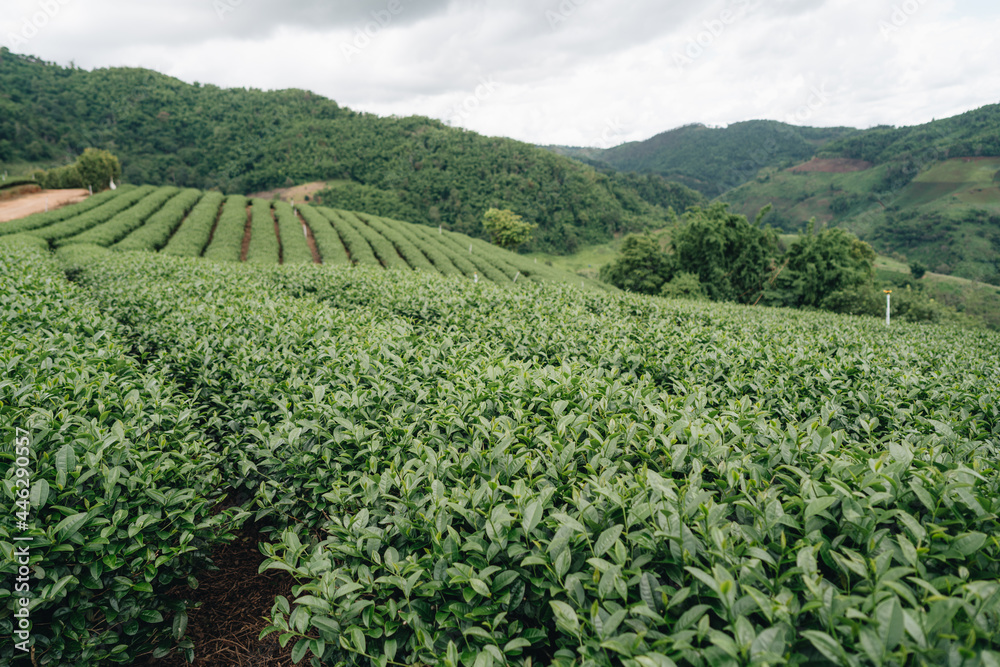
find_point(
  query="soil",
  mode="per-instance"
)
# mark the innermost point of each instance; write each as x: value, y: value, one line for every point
x: 310, y: 240
x: 277, y: 235
x: 831, y: 166
x: 293, y: 195
x: 18, y: 191
x: 215, y: 225
x: 235, y: 602
x: 35, y: 202
x: 246, y: 237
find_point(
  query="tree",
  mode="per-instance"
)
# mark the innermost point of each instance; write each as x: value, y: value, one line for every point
x: 95, y: 168
x: 98, y: 168
x: 917, y: 269
x: 506, y: 228
x: 684, y: 286
x: 821, y: 270
x: 731, y: 257
x: 642, y: 267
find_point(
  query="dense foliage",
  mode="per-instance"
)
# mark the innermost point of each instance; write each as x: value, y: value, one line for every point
x: 642, y: 267
x: 417, y: 169
x: 720, y: 254
x: 94, y: 169
x: 458, y: 474
x: 820, y: 266
x: 123, y: 479
x: 506, y: 228
x: 975, y: 132
x: 713, y: 160
x: 716, y: 255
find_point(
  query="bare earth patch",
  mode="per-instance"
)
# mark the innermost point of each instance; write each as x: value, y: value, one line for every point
x: 295, y: 195
x: 837, y: 165
x: 35, y: 202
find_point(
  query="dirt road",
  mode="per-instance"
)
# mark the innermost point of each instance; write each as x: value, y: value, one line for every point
x: 36, y: 203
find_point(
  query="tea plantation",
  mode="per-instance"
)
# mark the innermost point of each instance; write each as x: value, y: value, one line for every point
x: 475, y: 473
x: 192, y: 223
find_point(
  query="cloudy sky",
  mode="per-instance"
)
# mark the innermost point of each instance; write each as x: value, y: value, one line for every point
x: 577, y: 72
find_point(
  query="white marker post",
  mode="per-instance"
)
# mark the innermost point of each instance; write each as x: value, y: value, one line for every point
x: 888, y: 295
x: 475, y: 277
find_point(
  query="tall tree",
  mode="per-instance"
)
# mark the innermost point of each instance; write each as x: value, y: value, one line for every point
x: 642, y: 267
x: 731, y: 257
x: 820, y: 265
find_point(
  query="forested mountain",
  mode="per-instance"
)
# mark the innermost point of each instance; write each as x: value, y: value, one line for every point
x: 713, y: 160
x: 974, y: 133
x: 166, y: 131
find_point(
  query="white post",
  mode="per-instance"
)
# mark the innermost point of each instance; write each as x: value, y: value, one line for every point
x: 470, y: 248
x: 516, y: 275
x: 888, y: 296
x: 90, y: 188
x: 475, y: 277
x: 440, y: 231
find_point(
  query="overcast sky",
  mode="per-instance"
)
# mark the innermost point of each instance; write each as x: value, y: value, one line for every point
x: 577, y: 72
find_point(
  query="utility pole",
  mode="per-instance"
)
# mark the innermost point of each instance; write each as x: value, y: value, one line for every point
x: 888, y: 296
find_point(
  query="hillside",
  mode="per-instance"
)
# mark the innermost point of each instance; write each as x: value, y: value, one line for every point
x: 192, y: 223
x: 552, y: 472
x: 167, y: 132
x: 947, y: 216
x: 713, y: 160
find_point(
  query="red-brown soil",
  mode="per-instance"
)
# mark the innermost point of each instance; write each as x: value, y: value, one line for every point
x: 831, y: 165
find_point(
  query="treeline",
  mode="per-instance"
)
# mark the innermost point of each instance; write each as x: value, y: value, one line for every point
x: 240, y: 141
x: 714, y: 254
x: 973, y: 133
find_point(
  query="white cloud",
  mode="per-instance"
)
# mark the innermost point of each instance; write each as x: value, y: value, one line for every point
x: 588, y: 72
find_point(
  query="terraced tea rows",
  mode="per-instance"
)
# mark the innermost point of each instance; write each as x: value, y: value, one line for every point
x: 462, y: 474
x: 191, y: 223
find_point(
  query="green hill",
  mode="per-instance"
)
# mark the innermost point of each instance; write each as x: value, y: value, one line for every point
x: 947, y: 216
x: 713, y: 160
x: 168, y: 132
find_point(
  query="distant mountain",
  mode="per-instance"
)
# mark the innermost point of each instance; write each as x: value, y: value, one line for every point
x: 713, y: 160
x: 166, y: 131
x: 929, y: 193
